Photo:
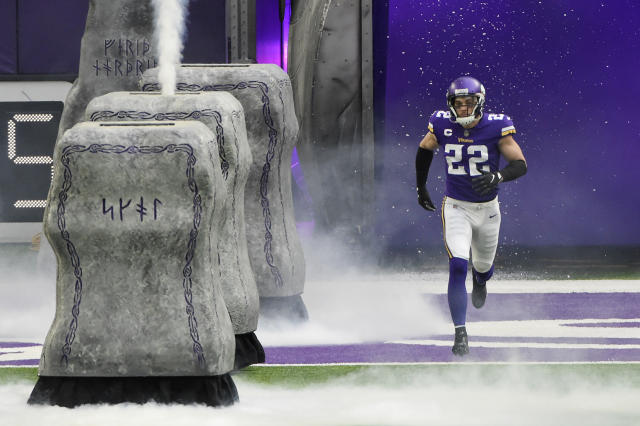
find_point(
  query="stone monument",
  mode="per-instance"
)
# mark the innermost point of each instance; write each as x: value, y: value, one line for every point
x: 140, y: 314
x: 224, y: 116
x: 116, y: 48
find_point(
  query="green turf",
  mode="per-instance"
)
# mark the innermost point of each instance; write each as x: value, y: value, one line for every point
x: 18, y: 374
x: 560, y: 377
x: 532, y: 375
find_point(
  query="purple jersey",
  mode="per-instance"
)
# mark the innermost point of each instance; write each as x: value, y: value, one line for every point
x: 467, y: 151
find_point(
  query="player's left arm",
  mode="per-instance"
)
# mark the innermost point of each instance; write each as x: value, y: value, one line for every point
x: 511, y: 152
x: 517, y: 167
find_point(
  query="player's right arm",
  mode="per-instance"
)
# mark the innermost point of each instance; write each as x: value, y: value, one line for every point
x: 423, y: 161
x: 429, y: 142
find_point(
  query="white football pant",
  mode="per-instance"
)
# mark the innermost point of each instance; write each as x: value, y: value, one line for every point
x: 471, y: 226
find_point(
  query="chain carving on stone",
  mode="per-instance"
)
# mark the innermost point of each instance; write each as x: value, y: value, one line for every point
x: 193, y: 234
x: 173, y: 116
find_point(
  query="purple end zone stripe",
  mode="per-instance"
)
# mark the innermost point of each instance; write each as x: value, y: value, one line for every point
x: 17, y: 345
x: 375, y: 353
x: 23, y: 362
x: 378, y: 352
x: 529, y: 306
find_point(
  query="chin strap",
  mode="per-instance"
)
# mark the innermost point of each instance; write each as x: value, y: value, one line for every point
x: 465, y: 121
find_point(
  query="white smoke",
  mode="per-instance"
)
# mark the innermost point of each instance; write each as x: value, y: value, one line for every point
x: 169, y: 31
x: 382, y: 396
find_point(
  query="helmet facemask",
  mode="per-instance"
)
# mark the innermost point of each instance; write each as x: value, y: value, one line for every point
x: 476, y: 113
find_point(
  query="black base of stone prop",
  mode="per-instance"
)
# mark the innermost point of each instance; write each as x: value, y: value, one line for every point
x: 249, y: 350
x: 71, y: 392
x: 289, y: 308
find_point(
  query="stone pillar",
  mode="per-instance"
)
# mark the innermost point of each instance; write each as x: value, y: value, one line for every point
x: 139, y: 308
x: 116, y: 48
x: 275, y: 251
x: 224, y: 116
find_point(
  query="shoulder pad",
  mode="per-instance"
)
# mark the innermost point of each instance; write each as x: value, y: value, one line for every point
x: 442, y: 114
x: 436, y: 119
x: 498, y: 117
x: 503, y: 123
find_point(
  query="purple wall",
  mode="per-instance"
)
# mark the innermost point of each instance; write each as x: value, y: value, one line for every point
x: 268, y: 32
x: 206, y: 33
x: 564, y: 72
x: 8, y: 52
x: 49, y: 35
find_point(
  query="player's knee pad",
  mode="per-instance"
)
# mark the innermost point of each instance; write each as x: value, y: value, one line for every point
x: 482, y: 267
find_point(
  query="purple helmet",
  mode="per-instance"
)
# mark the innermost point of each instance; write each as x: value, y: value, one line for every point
x: 466, y: 86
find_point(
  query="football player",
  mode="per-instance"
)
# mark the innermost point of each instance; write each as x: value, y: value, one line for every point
x: 472, y: 142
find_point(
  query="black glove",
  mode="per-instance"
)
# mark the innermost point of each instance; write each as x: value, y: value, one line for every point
x: 486, y: 183
x: 424, y: 200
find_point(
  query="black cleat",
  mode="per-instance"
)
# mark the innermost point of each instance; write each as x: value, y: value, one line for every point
x: 479, y: 293
x: 461, y: 344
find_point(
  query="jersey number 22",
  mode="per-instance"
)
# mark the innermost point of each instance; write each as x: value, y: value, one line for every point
x: 455, y: 161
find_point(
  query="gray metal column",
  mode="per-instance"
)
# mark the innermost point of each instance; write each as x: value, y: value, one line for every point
x: 241, y: 31
x: 330, y: 65
x: 368, y: 158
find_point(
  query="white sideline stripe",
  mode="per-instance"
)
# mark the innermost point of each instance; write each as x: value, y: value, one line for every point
x: 533, y: 345
x: 437, y: 284
x: 533, y: 329
x: 355, y: 364
x: 532, y: 286
x: 19, y: 366
x: 17, y: 354
x: 34, y: 340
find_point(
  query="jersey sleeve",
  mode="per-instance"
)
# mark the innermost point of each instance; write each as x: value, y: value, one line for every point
x: 437, y: 124
x: 432, y: 122
x: 507, y: 127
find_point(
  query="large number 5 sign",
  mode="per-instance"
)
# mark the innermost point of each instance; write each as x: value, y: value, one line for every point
x: 477, y: 155
x: 12, y: 147
x: 28, y: 133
